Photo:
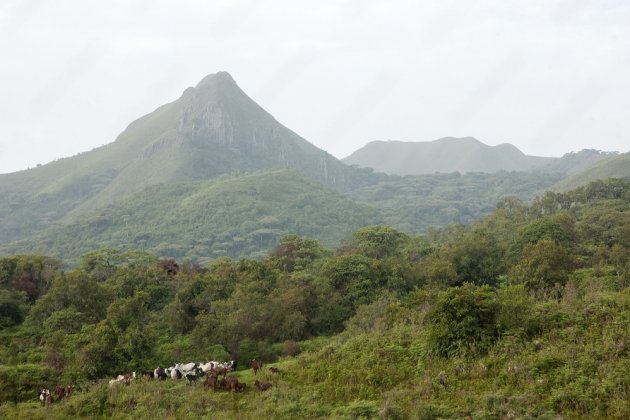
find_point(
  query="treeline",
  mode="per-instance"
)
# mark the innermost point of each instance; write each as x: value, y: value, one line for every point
x: 524, y: 313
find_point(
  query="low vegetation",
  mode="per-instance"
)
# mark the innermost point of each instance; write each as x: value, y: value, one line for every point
x: 523, y: 314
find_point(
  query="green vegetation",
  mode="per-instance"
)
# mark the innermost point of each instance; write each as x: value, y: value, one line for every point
x: 245, y: 214
x: 522, y: 314
x: 417, y: 203
x: 173, y: 183
x: 229, y: 216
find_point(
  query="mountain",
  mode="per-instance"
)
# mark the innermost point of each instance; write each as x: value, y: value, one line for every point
x: 613, y: 166
x: 463, y: 155
x: 239, y: 215
x: 212, y: 129
x: 213, y: 174
x: 445, y: 155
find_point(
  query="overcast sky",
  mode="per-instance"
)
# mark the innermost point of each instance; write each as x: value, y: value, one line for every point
x: 547, y: 76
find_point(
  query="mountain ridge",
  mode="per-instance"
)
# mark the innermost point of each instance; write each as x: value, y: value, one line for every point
x: 464, y: 154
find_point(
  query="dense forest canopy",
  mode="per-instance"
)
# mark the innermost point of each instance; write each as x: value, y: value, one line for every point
x: 524, y: 313
x: 245, y: 215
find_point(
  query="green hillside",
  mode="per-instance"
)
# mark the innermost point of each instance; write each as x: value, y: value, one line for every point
x: 231, y: 215
x: 420, y: 202
x: 523, y: 314
x: 244, y: 215
x: 611, y: 167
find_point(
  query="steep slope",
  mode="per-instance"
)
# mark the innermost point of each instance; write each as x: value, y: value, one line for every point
x: 611, y: 167
x: 240, y: 215
x: 445, y: 155
x: 212, y: 129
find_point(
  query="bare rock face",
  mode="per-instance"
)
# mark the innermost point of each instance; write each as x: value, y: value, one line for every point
x: 217, y: 121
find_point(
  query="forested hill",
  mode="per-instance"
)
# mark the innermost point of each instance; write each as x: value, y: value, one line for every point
x: 523, y: 314
x: 246, y: 215
x: 463, y: 155
x: 228, y: 216
x: 417, y: 203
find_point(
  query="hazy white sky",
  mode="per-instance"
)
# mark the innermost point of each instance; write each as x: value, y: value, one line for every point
x: 547, y: 76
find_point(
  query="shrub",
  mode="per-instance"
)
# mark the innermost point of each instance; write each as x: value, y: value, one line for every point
x: 463, y: 321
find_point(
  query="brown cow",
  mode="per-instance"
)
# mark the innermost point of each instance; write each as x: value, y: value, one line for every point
x: 240, y: 387
x: 262, y: 386
x: 274, y: 370
x: 231, y: 383
x: 211, y: 381
x: 69, y: 390
x: 256, y: 365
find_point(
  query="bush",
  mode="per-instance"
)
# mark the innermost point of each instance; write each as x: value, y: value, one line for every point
x: 463, y: 321
x: 543, y: 265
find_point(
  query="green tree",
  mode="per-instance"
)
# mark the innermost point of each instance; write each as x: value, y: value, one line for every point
x: 543, y: 265
x: 620, y: 258
x: 378, y: 241
x: 559, y: 228
x: 463, y: 321
x: 72, y: 290
x: 357, y: 278
x: 103, y: 263
x: 32, y: 274
x: 438, y: 270
x: 97, y: 356
x: 12, y: 308
x: 476, y: 258
x: 295, y: 253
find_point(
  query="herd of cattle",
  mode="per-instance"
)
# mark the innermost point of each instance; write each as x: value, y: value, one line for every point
x: 216, y: 377
x: 189, y: 371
